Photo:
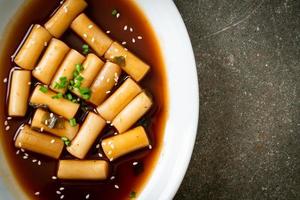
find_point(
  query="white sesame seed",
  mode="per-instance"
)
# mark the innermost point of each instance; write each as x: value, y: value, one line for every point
x: 90, y: 26
x: 42, y: 129
x: 62, y: 196
x: 100, y: 155
x: 123, y: 43
x: 5, y: 80
x: 131, y: 29
x: 125, y: 27
x: 135, y: 163
x: 38, y: 26
x: 25, y: 157
x: 61, y: 188
x: 107, y: 92
x: 5, y: 123
x: 52, y: 141
x: 93, y: 39
x: 112, y: 177
x: 140, y: 37
x: 51, y: 115
x: 61, y: 2
x: 17, y: 152
x: 97, y: 146
x: 65, y: 9
x: 117, y: 187
x: 125, y: 49
x: 21, y: 149
x: 37, y: 193
x: 29, y: 83
x: 9, y: 118
x: 150, y: 147
x: 87, y: 196
x: 116, y: 133
x: 133, y: 40
x: 26, y: 154
x: 7, y: 128
x: 108, y: 32
x: 54, y: 177
x: 58, y: 192
x: 85, y: 35
x: 118, y: 15
x: 34, y: 160
x: 111, y: 159
x: 39, y: 162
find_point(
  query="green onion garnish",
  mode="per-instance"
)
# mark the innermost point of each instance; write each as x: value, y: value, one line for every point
x: 114, y: 12
x: 57, y: 96
x: 132, y: 195
x: 43, y: 89
x: 66, y: 141
x: 73, y: 122
x: 63, y: 82
x: 85, y: 49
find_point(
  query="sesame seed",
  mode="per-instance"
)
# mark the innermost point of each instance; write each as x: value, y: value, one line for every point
x: 112, y: 177
x: 51, y: 115
x: 118, y: 15
x: 90, y: 26
x: 125, y: 49
x: 7, y: 128
x: 37, y: 193
x: 62, y: 196
x: 61, y: 188
x: 111, y: 159
x: 140, y: 37
x: 117, y: 187
x: 87, y: 196
x: 42, y: 129
x: 5, y: 80
x: 93, y: 39
x: 5, y: 123
x: 133, y: 40
x: 52, y: 141
x: 108, y: 32
x: 135, y: 163
x: 65, y: 9
x: 123, y: 43
x: 109, y: 152
x: 85, y: 35
x: 29, y: 83
x: 116, y: 133
x: 97, y: 146
x: 131, y: 29
x: 150, y: 147
x: 39, y: 162
x: 34, y: 160
x: 17, y: 152
x: 61, y: 2
x: 21, y: 149
x: 38, y: 26
x: 100, y: 155
x: 125, y: 27
x: 26, y: 154
x: 54, y: 177
x: 107, y: 92
x: 25, y: 157
x: 58, y: 192
x: 9, y: 118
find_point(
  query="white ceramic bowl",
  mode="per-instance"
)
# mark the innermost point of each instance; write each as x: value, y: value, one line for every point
x: 182, y: 122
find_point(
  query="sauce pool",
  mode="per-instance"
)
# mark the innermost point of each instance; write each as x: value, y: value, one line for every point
x: 129, y: 173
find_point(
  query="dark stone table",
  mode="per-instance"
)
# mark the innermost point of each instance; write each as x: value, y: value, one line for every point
x: 248, y: 61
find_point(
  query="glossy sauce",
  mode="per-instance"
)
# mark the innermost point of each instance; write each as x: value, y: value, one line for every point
x: 128, y: 177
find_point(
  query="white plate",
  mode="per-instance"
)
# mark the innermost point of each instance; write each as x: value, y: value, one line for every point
x: 182, y: 122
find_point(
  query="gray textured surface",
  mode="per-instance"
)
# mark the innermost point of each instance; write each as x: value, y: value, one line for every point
x: 248, y: 60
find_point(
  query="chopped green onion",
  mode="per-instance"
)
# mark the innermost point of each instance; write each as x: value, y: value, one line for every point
x: 69, y: 96
x: 63, y: 82
x: 114, y: 12
x: 119, y: 60
x: 57, y: 96
x: 85, y: 93
x: 66, y: 141
x: 73, y: 122
x: 85, y: 49
x: 132, y: 195
x: 79, y: 78
x: 43, y: 89
x: 79, y: 67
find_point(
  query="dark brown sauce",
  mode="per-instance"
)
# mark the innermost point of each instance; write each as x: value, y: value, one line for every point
x: 37, y: 178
